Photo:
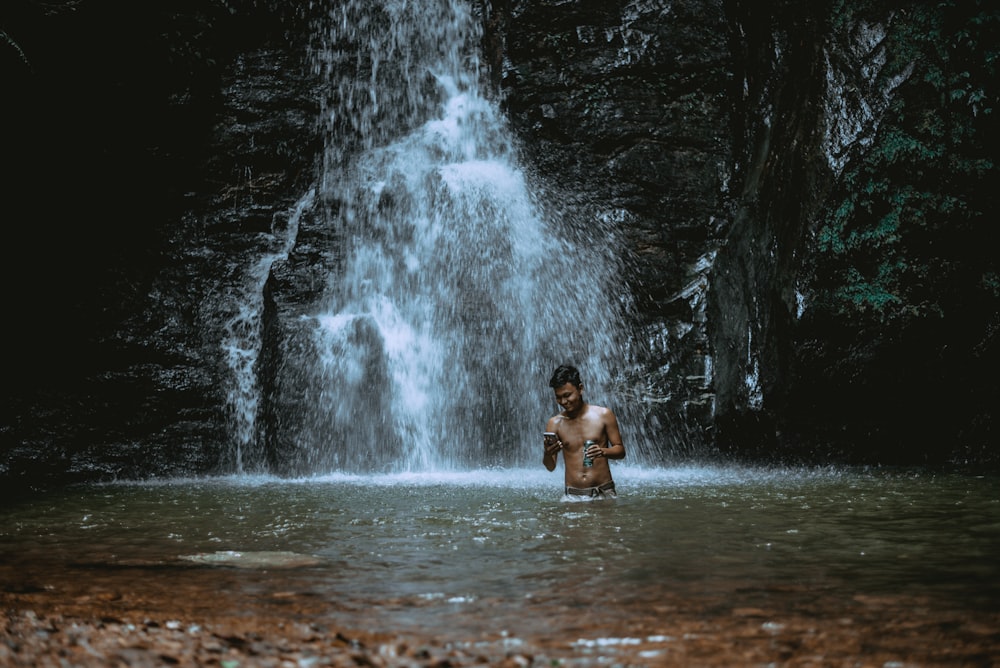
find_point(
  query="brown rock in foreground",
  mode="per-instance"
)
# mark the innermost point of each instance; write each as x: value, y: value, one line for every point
x: 67, y: 635
x: 57, y: 640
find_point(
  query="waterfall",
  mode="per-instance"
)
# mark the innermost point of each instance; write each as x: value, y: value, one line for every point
x: 456, y: 294
x: 242, y: 345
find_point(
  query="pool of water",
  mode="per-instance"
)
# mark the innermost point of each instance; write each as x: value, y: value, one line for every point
x: 499, y: 554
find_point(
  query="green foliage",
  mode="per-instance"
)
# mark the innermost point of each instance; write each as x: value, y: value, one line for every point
x: 908, y: 232
x: 991, y: 283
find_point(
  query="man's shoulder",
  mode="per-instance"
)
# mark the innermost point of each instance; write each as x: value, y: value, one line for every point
x: 600, y: 411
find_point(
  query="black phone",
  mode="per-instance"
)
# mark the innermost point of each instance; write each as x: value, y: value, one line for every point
x: 550, y: 436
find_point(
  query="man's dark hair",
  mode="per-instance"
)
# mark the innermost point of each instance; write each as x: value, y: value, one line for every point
x: 565, y: 374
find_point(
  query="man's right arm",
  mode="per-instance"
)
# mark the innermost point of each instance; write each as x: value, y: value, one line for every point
x: 549, y: 460
x: 551, y: 449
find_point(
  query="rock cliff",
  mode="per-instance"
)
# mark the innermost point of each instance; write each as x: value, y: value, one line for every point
x: 799, y: 192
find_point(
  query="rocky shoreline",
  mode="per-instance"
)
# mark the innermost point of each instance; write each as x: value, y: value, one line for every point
x: 67, y: 634
x: 39, y: 641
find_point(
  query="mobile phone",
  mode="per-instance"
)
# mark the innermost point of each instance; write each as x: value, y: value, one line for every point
x: 550, y: 436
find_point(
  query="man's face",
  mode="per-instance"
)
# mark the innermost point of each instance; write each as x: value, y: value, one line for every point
x: 570, y: 398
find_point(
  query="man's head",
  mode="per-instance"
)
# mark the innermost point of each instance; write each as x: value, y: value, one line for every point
x: 565, y: 374
x: 568, y: 389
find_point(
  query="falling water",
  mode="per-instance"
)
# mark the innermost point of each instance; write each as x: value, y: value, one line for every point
x: 242, y: 345
x: 456, y: 295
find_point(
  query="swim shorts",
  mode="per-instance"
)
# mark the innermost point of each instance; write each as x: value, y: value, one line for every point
x: 601, y: 491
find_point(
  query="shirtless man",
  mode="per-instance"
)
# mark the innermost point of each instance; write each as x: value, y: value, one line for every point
x: 579, y: 422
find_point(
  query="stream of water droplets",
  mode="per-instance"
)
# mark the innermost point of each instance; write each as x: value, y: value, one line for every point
x: 457, y: 294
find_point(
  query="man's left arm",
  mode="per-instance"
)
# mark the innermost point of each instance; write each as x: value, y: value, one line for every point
x: 615, y: 448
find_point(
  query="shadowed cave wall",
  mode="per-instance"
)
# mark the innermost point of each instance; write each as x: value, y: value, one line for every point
x: 802, y: 189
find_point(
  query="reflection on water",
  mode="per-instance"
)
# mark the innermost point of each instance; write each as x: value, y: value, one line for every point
x: 468, y: 554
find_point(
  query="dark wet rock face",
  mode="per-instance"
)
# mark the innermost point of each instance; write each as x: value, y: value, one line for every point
x: 120, y: 368
x: 623, y: 111
x: 799, y: 241
x: 782, y: 312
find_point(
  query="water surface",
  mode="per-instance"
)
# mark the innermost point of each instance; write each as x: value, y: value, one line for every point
x: 499, y: 554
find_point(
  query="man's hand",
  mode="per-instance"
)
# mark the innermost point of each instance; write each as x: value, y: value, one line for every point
x: 552, y: 446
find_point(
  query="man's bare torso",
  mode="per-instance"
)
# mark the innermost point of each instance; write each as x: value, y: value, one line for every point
x: 590, y: 424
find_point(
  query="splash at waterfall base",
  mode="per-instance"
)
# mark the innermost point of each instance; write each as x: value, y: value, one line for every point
x: 719, y: 567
